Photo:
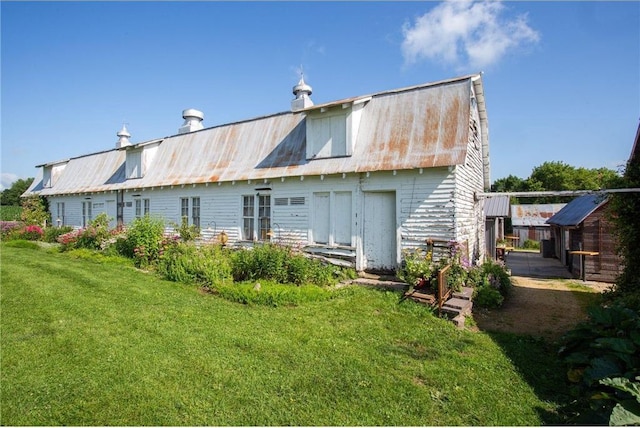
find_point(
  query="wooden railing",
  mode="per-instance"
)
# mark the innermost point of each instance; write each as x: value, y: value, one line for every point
x: 444, y: 291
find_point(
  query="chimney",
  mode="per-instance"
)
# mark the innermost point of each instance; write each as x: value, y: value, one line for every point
x: 123, y: 138
x: 302, y: 92
x: 192, y: 121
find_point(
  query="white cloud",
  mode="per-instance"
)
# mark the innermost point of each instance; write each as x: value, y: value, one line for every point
x: 7, y: 179
x: 465, y: 34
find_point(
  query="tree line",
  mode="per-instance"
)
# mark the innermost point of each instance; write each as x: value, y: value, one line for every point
x: 557, y: 175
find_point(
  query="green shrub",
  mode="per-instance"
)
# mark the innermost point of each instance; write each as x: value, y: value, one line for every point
x: 34, y: 210
x: 184, y: 262
x: 607, y: 345
x: 491, y: 283
x: 281, y: 264
x: 488, y: 297
x: 530, y: 244
x: 142, y: 241
x: 51, y: 234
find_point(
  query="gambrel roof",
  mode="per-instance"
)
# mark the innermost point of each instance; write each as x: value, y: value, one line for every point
x: 421, y: 126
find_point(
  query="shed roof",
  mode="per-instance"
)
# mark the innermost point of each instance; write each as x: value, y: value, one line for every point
x: 533, y: 214
x: 496, y: 206
x: 421, y: 126
x: 576, y: 211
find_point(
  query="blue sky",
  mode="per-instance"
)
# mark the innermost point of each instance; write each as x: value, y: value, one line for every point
x: 562, y: 79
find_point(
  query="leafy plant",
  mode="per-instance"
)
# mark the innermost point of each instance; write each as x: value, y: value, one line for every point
x: 184, y: 262
x: 627, y: 398
x: 607, y: 345
x: 418, y: 269
x: 51, y: 234
x: 143, y: 240
x: 530, y: 244
x: 186, y: 231
x: 488, y: 297
x: 34, y: 210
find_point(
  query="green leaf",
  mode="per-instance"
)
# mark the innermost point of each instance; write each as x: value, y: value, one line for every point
x: 616, y: 344
x: 624, y: 384
x: 620, y: 416
x: 601, y: 368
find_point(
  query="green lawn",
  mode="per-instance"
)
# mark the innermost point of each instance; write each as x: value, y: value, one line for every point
x: 86, y: 343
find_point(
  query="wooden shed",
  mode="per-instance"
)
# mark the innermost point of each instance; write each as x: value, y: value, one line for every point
x: 583, y: 239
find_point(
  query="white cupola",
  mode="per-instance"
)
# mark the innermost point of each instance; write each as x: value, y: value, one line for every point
x: 192, y: 121
x: 302, y: 92
x: 123, y: 137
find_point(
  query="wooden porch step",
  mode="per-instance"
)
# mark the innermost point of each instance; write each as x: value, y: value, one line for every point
x: 466, y: 293
x: 457, y: 306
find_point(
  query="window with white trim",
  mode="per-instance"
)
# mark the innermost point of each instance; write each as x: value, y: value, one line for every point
x: 252, y: 217
x: 190, y: 209
x: 60, y: 213
x: 195, y: 212
x: 142, y: 207
x: 86, y: 213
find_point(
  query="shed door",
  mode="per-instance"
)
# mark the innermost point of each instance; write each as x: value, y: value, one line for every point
x: 321, y: 218
x: 112, y: 213
x: 380, y: 230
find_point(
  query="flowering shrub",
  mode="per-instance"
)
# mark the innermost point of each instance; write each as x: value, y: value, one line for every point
x: 7, y: 228
x: 31, y: 233
x: 143, y: 241
x: 69, y: 239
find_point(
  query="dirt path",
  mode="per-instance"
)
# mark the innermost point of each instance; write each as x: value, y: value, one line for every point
x: 544, y: 308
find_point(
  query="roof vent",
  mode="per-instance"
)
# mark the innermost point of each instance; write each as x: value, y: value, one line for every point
x: 192, y: 121
x: 123, y: 137
x: 302, y: 92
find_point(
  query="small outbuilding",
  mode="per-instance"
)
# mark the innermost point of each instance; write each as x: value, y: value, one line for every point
x: 583, y: 240
x: 529, y: 221
x: 496, y: 210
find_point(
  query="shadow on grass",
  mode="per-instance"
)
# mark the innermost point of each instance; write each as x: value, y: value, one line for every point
x: 537, y: 362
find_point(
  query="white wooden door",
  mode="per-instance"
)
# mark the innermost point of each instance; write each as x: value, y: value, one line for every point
x: 321, y: 218
x: 112, y: 213
x: 379, y: 238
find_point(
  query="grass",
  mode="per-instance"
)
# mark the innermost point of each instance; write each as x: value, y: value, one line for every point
x: 88, y: 343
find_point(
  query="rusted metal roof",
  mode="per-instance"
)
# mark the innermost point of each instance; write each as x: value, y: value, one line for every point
x: 496, y: 206
x: 533, y: 214
x: 418, y: 127
x: 576, y: 211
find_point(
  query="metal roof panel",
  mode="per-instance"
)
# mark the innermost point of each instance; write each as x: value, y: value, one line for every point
x: 576, y: 211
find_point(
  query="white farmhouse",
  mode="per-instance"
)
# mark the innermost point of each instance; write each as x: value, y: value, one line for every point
x: 365, y: 177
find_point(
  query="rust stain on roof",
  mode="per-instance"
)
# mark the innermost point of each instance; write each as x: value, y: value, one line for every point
x: 420, y: 127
